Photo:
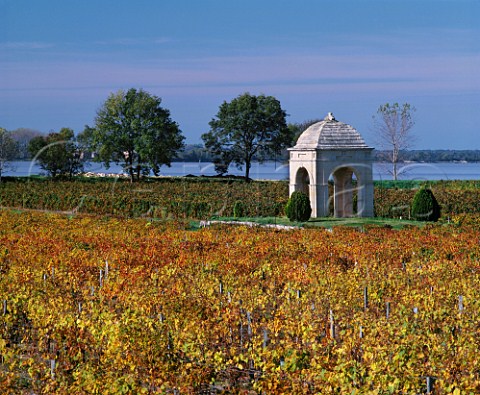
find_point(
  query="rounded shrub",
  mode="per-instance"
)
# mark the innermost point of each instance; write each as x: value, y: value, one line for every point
x: 238, y: 209
x: 298, y: 207
x: 425, y: 207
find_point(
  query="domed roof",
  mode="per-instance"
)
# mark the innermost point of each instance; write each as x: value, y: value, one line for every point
x: 330, y: 134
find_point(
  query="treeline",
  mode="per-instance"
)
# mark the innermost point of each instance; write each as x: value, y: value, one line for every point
x: 198, y: 153
x: 22, y: 137
x: 432, y: 156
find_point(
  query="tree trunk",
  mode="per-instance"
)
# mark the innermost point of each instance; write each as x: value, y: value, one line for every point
x: 131, y: 173
x: 129, y: 163
x: 248, y: 164
x: 394, y: 162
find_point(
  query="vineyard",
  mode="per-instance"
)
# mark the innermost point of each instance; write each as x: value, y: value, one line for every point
x: 205, y: 198
x: 113, y: 305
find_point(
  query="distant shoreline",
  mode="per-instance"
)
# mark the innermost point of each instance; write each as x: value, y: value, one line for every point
x: 271, y: 170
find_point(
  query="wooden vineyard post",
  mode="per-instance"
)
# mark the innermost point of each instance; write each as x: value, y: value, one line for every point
x: 52, y: 368
x: 430, y: 384
x: 365, y: 298
x: 220, y: 296
x: 240, y: 326
x: 249, y: 324
x: 332, y: 325
x: 161, y: 317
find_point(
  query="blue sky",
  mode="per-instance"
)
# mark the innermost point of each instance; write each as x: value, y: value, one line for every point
x: 60, y: 59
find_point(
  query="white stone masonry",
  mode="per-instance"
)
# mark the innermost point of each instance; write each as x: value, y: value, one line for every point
x: 331, y: 148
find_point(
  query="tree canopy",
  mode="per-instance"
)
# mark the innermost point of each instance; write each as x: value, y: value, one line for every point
x: 249, y: 126
x: 393, y: 124
x: 8, y: 151
x: 57, y: 153
x: 132, y: 129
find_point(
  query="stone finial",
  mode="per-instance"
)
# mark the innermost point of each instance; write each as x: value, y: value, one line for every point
x: 329, y: 117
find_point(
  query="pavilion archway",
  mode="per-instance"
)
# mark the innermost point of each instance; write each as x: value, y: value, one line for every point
x: 302, y: 181
x: 330, y: 149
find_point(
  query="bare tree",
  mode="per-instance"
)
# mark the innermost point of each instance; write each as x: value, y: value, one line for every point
x: 393, y: 124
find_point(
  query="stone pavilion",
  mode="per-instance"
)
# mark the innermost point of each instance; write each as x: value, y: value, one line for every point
x: 331, y: 149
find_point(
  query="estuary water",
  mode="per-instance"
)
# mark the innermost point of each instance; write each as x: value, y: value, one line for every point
x: 279, y: 171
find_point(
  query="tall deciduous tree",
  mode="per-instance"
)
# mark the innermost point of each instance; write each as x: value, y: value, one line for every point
x: 246, y: 128
x: 132, y: 129
x: 57, y: 153
x: 8, y: 151
x: 393, y: 124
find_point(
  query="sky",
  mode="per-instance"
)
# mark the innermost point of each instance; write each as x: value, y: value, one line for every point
x: 61, y: 59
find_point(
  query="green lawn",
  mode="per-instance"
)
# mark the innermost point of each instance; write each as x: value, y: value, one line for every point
x: 330, y: 222
x: 326, y: 222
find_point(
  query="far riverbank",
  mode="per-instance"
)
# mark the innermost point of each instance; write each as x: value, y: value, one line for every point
x: 279, y: 171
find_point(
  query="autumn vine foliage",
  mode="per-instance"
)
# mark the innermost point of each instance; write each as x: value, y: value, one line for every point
x: 99, y: 305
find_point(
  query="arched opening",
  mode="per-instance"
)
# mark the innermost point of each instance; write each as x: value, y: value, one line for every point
x: 302, y: 181
x: 333, y: 149
x: 345, y: 194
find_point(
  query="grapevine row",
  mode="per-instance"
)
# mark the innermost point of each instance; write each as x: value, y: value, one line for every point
x: 177, y: 198
x: 109, y: 305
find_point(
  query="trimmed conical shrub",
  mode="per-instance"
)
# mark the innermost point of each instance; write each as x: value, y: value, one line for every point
x: 298, y: 207
x: 425, y: 207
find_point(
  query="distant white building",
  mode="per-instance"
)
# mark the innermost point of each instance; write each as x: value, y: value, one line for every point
x: 332, y: 148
